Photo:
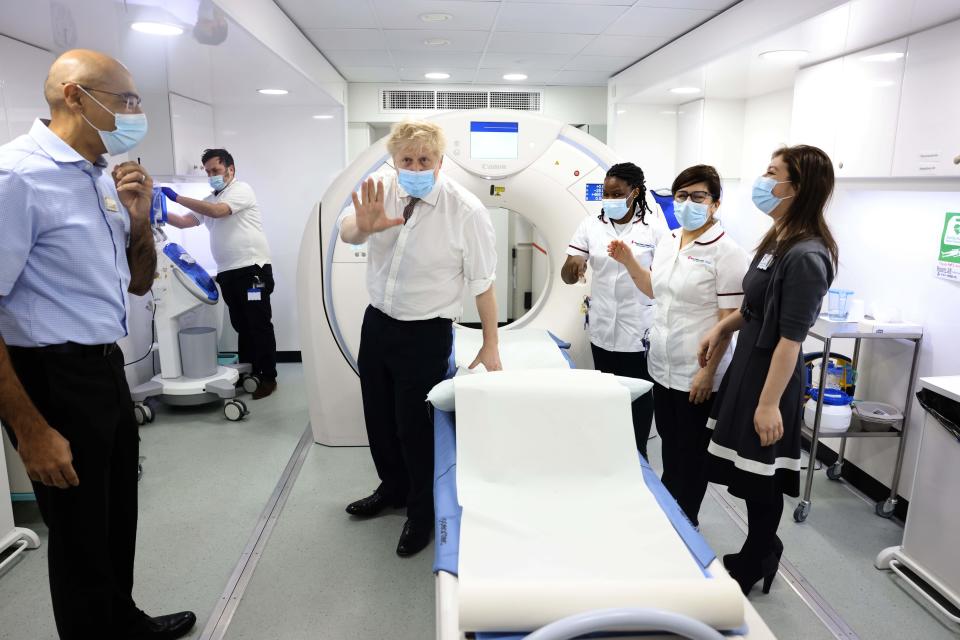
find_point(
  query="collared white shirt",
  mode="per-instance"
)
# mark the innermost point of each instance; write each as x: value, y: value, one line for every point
x: 417, y: 271
x: 690, y: 286
x: 237, y: 240
x: 620, y: 314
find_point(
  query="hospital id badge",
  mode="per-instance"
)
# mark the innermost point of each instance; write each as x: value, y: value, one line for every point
x: 254, y: 295
x: 765, y: 261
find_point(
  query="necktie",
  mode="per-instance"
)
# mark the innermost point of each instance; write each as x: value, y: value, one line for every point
x: 408, y: 210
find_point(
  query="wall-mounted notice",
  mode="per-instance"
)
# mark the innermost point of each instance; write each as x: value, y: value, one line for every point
x: 948, y: 266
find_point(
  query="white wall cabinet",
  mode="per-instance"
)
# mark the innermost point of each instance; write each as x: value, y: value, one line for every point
x: 816, y: 104
x: 192, y: 123
x: 711, y: 132
x: 928, y: 134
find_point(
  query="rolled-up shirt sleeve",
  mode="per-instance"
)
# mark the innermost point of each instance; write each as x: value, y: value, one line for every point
x: 731, y: 267
x: 806, y: 279
x: 479, y: 252
x: 16, y: 228
x: 580, y: 242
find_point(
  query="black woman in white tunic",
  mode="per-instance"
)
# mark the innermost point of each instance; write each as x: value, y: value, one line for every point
x: 620, y: 316
x: 695, y: 280
x: 755, y: 449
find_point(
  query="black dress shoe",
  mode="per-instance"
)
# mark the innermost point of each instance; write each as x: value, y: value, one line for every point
x: 168, y: 627
x: 372, y: 505
x: 414, y: 539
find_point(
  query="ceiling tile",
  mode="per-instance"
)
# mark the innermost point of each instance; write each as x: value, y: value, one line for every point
x: 609, y: 64
x: 658, y: 22
x: 622, y: 3
x: 347, y: 39
x: 457, y: 76
x: 711, y: 5
x: 370, y: 74
x: 607, y: 45
x: 340, y: 58
x: 465, y: 16
x: 495, y: 76
x: 581, y: 78
x: 557, y: 18
x: 440, y: 62
x: 524, y: 61
x: 537, y: 43
x: 329, y: 14
x: 413, y: 40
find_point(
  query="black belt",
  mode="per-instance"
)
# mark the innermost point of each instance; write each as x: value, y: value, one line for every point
x: 74, y: 349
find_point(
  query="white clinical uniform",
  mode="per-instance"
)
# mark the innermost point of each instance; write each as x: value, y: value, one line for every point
x: 236, y: 240
x: 418, y: 271
x: 620, y: 314
x: 690, y: 285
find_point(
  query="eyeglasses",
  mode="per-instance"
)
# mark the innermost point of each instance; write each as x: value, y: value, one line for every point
x: 697, y: 196
x: 130, y: 100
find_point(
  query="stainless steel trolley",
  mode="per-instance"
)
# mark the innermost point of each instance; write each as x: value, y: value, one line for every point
x: 885, y: 508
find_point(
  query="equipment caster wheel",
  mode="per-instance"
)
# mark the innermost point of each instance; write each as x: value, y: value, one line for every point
x: 801, y: 512
x: 251, y: 383
x: 834, y: 471
x: 885, y: 509
x: 234, y: 410
x: 143, y: 413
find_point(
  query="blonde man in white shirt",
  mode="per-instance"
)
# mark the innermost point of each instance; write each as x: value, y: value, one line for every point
x: 696, y: 279
x: 244, y: 271
x: 620, y: 316
x: 428, y: 238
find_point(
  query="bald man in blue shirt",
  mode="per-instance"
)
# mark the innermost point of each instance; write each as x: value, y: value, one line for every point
x: 74, y: 241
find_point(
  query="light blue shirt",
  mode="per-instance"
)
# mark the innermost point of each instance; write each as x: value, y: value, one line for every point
x: 63, y: 240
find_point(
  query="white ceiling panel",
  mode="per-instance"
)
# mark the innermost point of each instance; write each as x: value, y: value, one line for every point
x: 557, y: 18
x: 610, y: 64
x: 586, y: 78
x: 711, y: 5
x: 360, y: 58
x: 458, y: 76
x: 495, y: 76
x: 441, y: 60
x: 537, y: 43
x: 347, y: 39
x: 330, y: 14
x: 537, y: 61
x: 586, y: 3
x: 658, y: 22
x: 607, y: 45
x: 464, y: 16
x: 370, y: 74
x: 414, y: 40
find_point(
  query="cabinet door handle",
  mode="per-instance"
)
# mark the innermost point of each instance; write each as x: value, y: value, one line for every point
x: 956, y: 160
x: 927, y: 167
x: 930, y: 155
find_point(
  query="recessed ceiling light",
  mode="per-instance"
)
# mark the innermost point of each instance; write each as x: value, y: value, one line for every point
x: 685, y: 90
x: 273, y: 92
x: 891, y: 56
x: 435, y: 17
x: 514, y: 76
x: 620, y: 112
x: 157, y: 28
x: 436, y: 75
x: 785, y: 55
x: 322, y: 117
x: 436, y: 42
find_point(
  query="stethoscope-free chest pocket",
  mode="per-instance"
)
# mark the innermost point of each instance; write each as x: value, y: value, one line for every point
x: 697, y: 280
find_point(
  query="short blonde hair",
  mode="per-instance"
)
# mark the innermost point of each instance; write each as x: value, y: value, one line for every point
x: 418, y: 134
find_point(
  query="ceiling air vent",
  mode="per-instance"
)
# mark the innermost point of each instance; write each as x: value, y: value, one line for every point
x: 519, y: 100
x: 462, y: 99
x: 406, y: 100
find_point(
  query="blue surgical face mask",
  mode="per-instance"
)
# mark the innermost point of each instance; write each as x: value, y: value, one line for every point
x: 417, y: 183
x: 763, y: 196
x: 216, y: 183
x: 131, y: 129
x: 615, y: 208
x: 691, y: 215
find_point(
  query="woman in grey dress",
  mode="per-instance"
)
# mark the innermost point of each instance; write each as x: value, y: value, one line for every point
x: 755, y: 447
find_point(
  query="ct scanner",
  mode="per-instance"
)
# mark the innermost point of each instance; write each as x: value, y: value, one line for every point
x: 543, y: 169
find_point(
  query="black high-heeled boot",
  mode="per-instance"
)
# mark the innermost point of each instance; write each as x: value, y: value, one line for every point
x: 748, y: 571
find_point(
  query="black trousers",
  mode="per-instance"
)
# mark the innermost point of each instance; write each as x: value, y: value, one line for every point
x: 93, y: 526
x: 632, y: 364
x: 683, y: 431
x: 399, y: 363
x: 252, y: 319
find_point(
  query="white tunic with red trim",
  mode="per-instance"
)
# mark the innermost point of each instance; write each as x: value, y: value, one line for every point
x: 620, y: 314
x: 690, y: 286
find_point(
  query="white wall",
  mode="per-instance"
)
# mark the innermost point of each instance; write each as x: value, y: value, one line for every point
x: 359, y: 137
x: 289, y: 159
x: 647, y: 136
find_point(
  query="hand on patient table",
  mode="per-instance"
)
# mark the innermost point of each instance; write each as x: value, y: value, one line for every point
x: 489, y: 357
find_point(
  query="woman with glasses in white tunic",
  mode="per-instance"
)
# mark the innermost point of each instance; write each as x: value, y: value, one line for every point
x: 695, y: 280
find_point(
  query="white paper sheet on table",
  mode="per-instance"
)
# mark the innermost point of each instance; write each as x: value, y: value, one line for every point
x: 519, y: 349
x: 557, y: 519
